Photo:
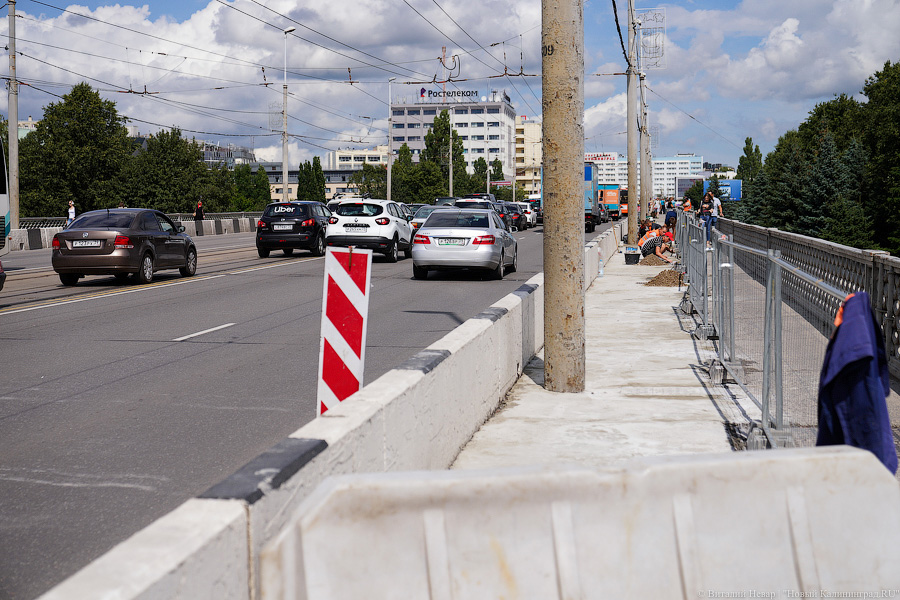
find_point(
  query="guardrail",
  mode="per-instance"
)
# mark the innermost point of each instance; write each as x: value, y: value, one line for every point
x: 39, y: 222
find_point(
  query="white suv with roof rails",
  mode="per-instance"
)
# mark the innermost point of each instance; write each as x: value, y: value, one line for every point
x: 379, y: 225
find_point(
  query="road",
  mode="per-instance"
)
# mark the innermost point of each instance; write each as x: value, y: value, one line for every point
x: 107, y: 422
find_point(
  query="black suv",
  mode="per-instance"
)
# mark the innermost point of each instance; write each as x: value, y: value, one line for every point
x: 290, y: 225
x: 519, y: 220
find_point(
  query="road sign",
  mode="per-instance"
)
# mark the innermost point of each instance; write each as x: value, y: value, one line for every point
x: 345, y: 316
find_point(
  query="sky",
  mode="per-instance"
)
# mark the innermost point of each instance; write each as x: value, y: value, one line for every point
x: 721, y: 71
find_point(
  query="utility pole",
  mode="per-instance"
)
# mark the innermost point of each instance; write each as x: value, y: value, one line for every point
x: 646, y: 175
x: 284, y: 136
x: 562, y: 102
x: 631, y: 128
x: 13, y: 124
x: 390, y: 158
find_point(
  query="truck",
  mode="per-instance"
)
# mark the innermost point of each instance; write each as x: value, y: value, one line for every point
x: 591, y: 202
x: 610, y: 194
x: 623, y: 203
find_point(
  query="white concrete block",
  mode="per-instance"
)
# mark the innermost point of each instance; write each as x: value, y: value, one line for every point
x: 755, y: 524
x: 198, y: 551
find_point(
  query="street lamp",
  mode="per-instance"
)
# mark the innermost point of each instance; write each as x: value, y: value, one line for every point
x: 390, y: 158
x: 284, y: 136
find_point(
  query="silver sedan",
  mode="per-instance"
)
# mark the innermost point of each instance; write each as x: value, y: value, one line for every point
x: 464, y: 239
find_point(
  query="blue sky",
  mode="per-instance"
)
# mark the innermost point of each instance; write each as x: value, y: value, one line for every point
x: 732, y: 69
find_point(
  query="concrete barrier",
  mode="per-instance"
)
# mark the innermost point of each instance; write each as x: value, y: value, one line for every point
x: 790, y: 523
x: 417, y: 416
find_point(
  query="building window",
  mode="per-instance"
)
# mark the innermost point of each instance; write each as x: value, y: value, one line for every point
x: 478, y: 138
x: 397, y: 112
x: 493, y: 111
x: 464, y: 138
x: 344, y: 159
x: 478, y: 150
x: 429, y: 111
x: 414, y: 138
x: 374, y: 158
x: 413, y: 111
x: 478, y: 124
x: 428, y: 125
x: 494, y: 137
x: 460, y: 125
x: 494, y: 124
x: 414, y: 125
x: 399, y: 138
x: 460, y: 111
x: 477, y: 111
x: 399, y: 125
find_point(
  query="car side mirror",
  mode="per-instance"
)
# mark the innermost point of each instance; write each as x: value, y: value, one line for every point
x: 181, y: 229
x: 409, y: 218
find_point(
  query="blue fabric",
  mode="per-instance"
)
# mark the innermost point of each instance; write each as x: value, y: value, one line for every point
x: 853, y: 386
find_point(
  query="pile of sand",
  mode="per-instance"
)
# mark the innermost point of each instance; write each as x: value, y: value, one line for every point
x: 653, y: 260
x: 667, y: 278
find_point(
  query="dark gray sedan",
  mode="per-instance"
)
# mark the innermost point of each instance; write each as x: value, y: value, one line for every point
x: 121, y: 242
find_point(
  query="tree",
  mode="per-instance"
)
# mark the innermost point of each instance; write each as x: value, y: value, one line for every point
x: 695, y: 193
x: 167, y: 176
x: 497, y: 170
x: 749, y: 164
x: 479, y: 177
x: 714, y: 186
x: 76, y: 152
x: 371, y: 180
x: 319, y: 176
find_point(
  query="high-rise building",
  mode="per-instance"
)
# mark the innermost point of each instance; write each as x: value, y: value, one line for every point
x: 529, y: 155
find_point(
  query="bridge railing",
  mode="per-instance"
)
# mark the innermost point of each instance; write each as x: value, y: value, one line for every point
x: 39, y: 222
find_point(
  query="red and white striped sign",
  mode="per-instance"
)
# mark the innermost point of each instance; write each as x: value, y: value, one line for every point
x: 345, y: 315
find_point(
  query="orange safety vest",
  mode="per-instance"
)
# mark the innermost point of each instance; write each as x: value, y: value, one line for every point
x: 648, y: 236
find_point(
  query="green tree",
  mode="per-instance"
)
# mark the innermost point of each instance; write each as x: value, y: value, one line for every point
x: 318, y: 191
x: 76, y: 152
x: 404, y: 187
x: 261, y: 191
x: 371, y: 180
x: 168, y: 176
x: 497, y: 170
x: 714, y: 186
x: 217, y: 189
x: 695, y: 193
x: 749, y: 164
x: 840, y: 116
x: 479, y: 176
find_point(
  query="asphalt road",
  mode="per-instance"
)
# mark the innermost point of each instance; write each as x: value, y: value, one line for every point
x: 107, y: 422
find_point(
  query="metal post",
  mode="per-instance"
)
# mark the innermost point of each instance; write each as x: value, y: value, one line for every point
x: 631, y: 127
x: 284, y: 135
x: 776, y: 350
x: 451, y: 160
x: 562, y: 69
x: 646, y: 179
x: 731, y: 355
x: 390, y: 158
x: 13, y: 124
x: 768, y: 324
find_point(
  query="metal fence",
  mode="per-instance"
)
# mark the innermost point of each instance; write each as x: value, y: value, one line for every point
x: 772, y: 320
x: 39, y: 222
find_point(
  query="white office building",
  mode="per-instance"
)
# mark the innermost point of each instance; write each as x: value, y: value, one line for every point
x: 613, y: 169
x: 484, y: 122
x: 354, y: 159
x: 529, y: 155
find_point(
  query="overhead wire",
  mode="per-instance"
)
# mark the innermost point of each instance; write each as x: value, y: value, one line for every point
x: 693, y: 117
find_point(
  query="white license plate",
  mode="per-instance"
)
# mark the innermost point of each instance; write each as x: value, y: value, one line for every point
x: 85, y: 243
x: 355, y: 227
x: 451, y: 241
x: 282, y: 227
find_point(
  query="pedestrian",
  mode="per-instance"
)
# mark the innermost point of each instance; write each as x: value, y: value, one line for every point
x: 71, y: 216
x: 198, y: 212
x: 709, y: 210
x: 122, y: 204
x: 686, y: 205
x: 671, y: 215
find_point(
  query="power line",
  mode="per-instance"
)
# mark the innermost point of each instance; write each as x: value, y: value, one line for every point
x: 694, y: 118
x: 619, y: 29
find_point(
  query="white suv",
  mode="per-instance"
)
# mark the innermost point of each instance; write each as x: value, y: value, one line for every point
x: 379, y: 225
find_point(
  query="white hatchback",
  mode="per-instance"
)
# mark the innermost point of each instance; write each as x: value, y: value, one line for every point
x: 378, y: 225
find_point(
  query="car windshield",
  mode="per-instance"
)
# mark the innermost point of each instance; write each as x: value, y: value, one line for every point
x: 447, y: 218
x: 285, y: 210
x: 359, y: 210
x: 474, y: 205
x: 425, y: 211
x: 97, y: 219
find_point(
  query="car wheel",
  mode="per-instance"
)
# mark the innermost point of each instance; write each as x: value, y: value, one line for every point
x: 190, y: 264
x: 68, y: 278
x: 288, y: 251
x: 391, y: 254
x: 319, y: 248
x: 497, y: 273
x: 420, y: 272
x: 515, y: 263
x: 263, y: 252
x: 407, y: 253
x: 145, y: 275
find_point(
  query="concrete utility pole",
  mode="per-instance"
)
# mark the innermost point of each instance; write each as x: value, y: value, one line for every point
x: 646, y: 174
x: 13, y: 124
x: 631, y: 127
x: 390, y: 158
x: 562, y: 69
x: 284, y: 135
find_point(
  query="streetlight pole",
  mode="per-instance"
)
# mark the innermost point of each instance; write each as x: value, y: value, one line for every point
x: 390, y: 158
x: 284, y: 136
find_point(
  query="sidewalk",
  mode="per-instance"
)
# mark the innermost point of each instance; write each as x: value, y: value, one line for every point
x: 646, y: 390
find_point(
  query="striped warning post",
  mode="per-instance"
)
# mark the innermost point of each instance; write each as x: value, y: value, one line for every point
x: 345, y: 315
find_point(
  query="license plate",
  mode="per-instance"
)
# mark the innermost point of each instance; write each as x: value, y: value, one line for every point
x: 85, y: 243
x: 355, y: 227
x: 451, y: 241
x: 282, y: 227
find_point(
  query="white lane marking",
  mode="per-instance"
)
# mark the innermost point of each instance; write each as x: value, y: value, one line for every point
x: 192, y: 335
x: 281, y: 264
x: 110, y: 295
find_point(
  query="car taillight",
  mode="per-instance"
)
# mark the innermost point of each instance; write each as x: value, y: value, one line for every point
x: 502, y: 216
x: 421, y: 239
x: 382, y: 220
x: 483, y: 239
x: 308, y: 223
x: 261, y: 224
x: 333, y: 220
x: 55, y: 243
x: 123, y: 242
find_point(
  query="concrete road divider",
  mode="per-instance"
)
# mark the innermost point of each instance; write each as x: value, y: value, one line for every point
x: 417, y: 416
x: 741, y: 525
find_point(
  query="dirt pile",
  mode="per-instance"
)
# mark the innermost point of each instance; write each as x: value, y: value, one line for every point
x: 667, y: 278
x: 653, y: 261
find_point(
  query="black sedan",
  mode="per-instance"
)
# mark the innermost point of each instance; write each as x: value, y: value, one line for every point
x: 287, y: 226
x: 121, y: 242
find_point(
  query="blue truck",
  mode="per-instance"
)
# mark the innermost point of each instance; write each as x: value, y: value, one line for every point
x: 591, y: 200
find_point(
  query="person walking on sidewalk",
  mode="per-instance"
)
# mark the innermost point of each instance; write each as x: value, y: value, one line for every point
x: 71, y: 213
x: 198, y: 212
x: 705, y: 211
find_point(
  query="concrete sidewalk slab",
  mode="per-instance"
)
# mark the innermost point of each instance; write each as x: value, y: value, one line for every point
x: 646, y: 390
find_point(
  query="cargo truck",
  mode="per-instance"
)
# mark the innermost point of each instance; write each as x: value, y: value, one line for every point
x: 610, y: 194
x: 591, y: 202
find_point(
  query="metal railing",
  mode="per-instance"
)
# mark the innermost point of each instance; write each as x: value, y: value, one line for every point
x: 39, y: 222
